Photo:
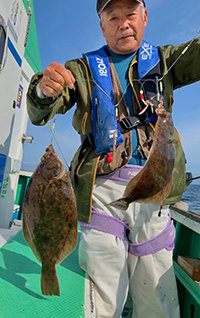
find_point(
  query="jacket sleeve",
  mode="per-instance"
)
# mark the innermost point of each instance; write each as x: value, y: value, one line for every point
x: 41, y: 110
x: 186, y: 69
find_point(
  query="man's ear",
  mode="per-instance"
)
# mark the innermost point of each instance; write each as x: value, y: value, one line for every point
x: 145, y: 17
x: 102, y: 27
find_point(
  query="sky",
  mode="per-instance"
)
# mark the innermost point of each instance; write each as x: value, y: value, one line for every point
x: 66, y: 29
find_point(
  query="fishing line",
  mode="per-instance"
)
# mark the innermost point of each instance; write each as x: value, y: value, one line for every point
x: 141, y: 82
x: 54, y: 136
x: 157, y: 81
x: 181, y: 54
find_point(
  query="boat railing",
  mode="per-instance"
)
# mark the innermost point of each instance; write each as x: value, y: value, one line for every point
x: 187, y: 259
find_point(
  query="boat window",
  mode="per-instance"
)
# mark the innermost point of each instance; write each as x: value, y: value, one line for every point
x: 2, y: 43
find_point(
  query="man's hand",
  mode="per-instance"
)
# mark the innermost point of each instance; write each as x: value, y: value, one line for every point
x: 55, y: 78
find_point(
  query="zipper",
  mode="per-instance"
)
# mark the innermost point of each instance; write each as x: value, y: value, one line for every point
x: 96, y: 113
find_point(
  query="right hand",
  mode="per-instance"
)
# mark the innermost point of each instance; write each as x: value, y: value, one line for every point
x: 55, y: 78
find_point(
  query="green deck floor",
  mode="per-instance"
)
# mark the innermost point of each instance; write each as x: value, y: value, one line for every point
x: 20, y: 294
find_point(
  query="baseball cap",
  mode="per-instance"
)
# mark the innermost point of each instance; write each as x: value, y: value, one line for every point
x: 101, y: 4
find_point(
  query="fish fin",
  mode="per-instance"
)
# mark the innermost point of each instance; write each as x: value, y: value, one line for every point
x: 29, y: 238
x: 120, y: 204
x: 173, y: 141
x: 49, y: 283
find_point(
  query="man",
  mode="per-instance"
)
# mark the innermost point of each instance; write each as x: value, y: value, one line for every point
x: 121, y: 251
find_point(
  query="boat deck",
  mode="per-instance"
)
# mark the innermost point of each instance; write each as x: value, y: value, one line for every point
x: 20, y: 294
x: 21, y: 297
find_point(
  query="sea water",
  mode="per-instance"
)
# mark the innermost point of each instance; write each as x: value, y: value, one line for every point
x: 192, y: 197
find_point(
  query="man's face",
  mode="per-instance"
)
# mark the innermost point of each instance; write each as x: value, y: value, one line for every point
x: 123, y: 24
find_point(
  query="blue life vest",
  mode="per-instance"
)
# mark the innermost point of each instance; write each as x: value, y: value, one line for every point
x: 103, y: 109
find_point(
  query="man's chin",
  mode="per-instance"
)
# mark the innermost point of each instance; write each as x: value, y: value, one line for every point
x: 127, y: 50
x: 130, y: 46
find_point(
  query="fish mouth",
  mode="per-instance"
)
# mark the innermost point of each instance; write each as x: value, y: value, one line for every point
x: 50, y: 149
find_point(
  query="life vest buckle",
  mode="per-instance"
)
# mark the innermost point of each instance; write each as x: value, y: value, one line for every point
x: 128, y: 123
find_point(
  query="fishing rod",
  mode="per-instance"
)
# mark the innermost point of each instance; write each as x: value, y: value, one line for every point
x: 159, y: 88
x: 157, y: 81
x: 190, y: 178
x: 181, y: 54
x: 194, y: 178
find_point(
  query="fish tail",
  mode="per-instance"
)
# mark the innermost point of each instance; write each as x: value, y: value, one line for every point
x: 49, y: 282
x: 121, y: 204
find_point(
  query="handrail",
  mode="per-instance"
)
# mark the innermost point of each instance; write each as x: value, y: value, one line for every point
x: 187, y: 218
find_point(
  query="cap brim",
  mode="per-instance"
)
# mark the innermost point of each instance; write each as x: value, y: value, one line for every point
x: 107, y: 2
x: 103, y: 7
x: 141, y: 1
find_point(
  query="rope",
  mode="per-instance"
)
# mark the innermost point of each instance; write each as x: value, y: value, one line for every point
x: 29, y: 22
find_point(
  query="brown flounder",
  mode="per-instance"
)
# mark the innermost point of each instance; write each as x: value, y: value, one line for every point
x: 50, y: 217
x: 153, y: 183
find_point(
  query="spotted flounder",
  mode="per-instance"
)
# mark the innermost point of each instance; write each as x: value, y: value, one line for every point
x: 153, y: 183
x: 50, y: 217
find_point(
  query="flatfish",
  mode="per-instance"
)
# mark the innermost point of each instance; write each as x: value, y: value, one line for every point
x: 50, y: 217
x: 154, y: 181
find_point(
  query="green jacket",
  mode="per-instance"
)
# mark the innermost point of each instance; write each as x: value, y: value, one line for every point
x: 85, y: 162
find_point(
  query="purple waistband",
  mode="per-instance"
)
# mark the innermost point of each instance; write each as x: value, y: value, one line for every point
x: 111, y: 225
x: 124, y: 174
x: 165, y: 239
x: 105, y: 223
